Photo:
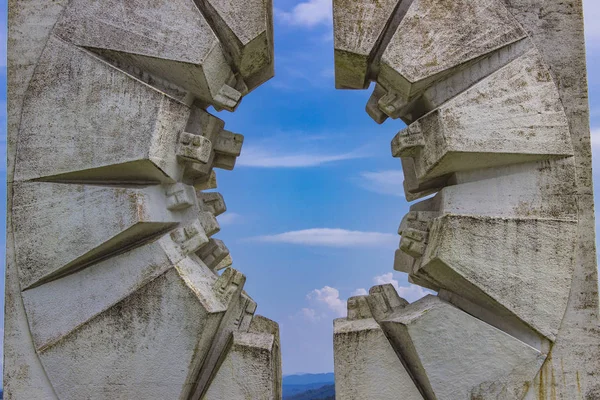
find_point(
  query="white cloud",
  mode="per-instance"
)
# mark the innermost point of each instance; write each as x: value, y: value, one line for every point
x: 310, y: 314
x: 383, y: 182
x: 262, y: 158
x: 228, y: 218
x: 308, y: 14
x: 330, y: 297
x: 333, y: 238
x: 411, y: 293
x: 360, y: 292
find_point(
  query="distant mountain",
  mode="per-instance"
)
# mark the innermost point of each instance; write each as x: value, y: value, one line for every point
x: 303, y: 379
x: 307, y: 386
x: 323, y: 393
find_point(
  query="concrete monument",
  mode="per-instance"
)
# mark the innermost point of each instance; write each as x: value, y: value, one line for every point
x: 115, y: 286
x: 494, y: 95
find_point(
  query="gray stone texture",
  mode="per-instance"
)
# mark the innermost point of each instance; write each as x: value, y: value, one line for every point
x: 494, y: 95
x: 112, y: 283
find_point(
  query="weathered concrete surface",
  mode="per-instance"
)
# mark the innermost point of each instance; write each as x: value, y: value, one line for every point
x: 422, y: 49
x: 112, y: 289
x: 556, y: 25
x: 495, y: 96
x: 453, y: 355
x: 170, y: 40
x: 513, y: 116
x: 252, y: 368
x: 366, y: 365
x: 358, y: 31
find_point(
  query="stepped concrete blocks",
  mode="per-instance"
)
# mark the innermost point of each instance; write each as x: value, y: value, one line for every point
x: 128, y: 335
x: 494, y: 95
x: 251, y: 366
x: 213, y: 253
x: 366, y: 365
x: 453, y: 355
x: 112, y: 283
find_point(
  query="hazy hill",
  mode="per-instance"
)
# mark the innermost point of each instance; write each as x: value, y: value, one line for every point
x: 322, y: 393
x: 309, y: 387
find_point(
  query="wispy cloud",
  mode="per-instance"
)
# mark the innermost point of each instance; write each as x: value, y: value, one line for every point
x: 332, y: 238
x: 383, y: 182
x: 229, y: 218
x: 307, y: 14
x: 260, y: 157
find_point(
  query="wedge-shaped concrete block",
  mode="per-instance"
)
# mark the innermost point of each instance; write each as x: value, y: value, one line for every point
x: 248, y: 370
x: 527, y: 276
x: 246, y: 33
x: 513, y: 116
x: 226, y: 262
x: 61, y: 306
x: 62, y: 228
x: 385, y: 103
x: 366, y: 365
x: 384, y: 300
x: 238, y: 318
x: 359, y: 27
x: 436, y: 37
x: 135, y: 338
x: 544, y: 189
x: 84, y: 120
x: 228, y: 289
x: 453, y: 355
x: 170, y: 40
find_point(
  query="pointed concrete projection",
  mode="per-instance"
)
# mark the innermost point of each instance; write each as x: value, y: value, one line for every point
x: 167, y: 40
x: 494, y: 96
x: 425, y: 50
x: 366, y: 365
x: 132, y: 336
x: 359, y: 27
x: 102, y: 220
x: 540, y: 252
x: 452, y: 354
x: 75, y: 131
x: 153, y: 146
x: 251, y: 368
x: 116, y: 287
x: 513, y: 116
x: 58, y: 307
x: 246, y: 30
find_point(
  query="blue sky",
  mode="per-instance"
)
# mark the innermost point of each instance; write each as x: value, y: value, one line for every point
x: 316, y: 198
